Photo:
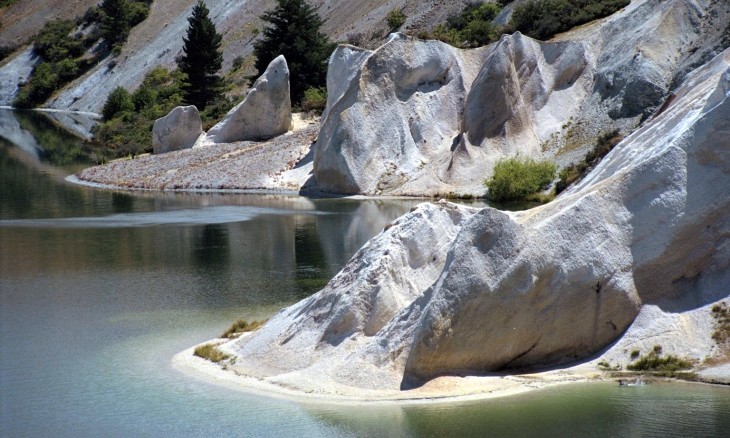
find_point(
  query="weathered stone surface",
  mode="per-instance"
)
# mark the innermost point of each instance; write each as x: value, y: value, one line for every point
x: 650, y: 226
x: 177, y: 130
x: 343, y: 68
x: 467, y: 109
x: 402, y: 110
x: 264, y: 113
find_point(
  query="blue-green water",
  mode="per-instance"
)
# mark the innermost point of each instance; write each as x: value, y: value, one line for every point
x: 99, y: 289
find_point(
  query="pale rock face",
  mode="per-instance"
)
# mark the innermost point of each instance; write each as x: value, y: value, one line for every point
x: 467, y: 109
x: 344, y: 67
x: 264, y: 113
x: 647, y: 233
x: 400, y: 111
x: 178, y: 130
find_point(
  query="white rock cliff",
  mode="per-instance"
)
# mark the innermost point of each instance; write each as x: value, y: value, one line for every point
x: 452, y: 290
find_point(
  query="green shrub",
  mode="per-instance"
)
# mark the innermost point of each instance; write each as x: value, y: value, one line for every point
x: 721, y: 313
x: 516, y: 178
x: 129, y: 129
x: 241, y: 326
x: 54, y: 43
x: 575, y: 172
x: 5, y: 51
x: 211, y: 353
x: 118, y: 102
x: 654, y: 362
x: 395, y: 18
x: 472, y: 27
x: 541, y: 19
x: 315, y: 99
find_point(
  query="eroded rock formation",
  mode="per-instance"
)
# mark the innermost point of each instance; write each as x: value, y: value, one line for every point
x: 263, y: 114
x: 453, y: 290
x: 421, y: 117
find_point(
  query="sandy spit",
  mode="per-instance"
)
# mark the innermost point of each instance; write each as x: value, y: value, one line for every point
x: 440, y: 390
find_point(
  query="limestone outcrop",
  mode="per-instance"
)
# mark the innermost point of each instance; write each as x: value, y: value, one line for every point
x: 424, y: 118
x: 453, y: 290
x: 178, y: 130
x: 263, y: 114
x: 399, y: 112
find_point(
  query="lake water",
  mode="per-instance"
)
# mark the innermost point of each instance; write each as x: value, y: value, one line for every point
x: 99, y: 289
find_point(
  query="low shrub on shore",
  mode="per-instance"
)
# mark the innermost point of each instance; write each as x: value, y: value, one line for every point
x: 517, y: 179
x: 241, y: 326
x: 661, y: 365
x: 211, y: 352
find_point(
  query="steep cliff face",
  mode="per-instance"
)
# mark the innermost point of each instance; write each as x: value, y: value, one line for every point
x: 649, y: 228
x: 517, y: 96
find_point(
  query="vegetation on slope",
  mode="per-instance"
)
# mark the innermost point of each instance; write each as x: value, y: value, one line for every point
x: 541, y: 19
x: 129, y: 117
x: 661, y: 365
x: 519, y: 179
x: 63, y: 47
x: 240, y: 327
x: 575, y: 172
x: 293, y: 30
x: 473, y: 27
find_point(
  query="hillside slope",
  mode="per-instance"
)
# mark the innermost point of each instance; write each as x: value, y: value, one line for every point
x: 157, y: 41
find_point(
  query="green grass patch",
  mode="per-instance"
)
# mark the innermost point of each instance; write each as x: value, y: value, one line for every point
x: 661, y: 365
x: 211, y: 353
x: 517, y: 179
x: 721, y: 313
x: 240, y: 327
x: 575, y: 172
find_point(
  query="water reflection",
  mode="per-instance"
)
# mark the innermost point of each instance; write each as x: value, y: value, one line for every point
x: 99, y: 289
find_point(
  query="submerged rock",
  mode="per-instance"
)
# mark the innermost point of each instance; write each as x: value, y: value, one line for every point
x: 178, y: 130
x: 264, y: 113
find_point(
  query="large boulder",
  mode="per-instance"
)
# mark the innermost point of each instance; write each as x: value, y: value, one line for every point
x: 450, y: 290
x: 264, y: 113
x: 178, y: 130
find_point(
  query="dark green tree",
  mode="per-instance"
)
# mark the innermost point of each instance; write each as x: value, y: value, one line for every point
x: 294, y: 31
x: 119, y: 101
x: 115, y: 21
x: 202, y: 59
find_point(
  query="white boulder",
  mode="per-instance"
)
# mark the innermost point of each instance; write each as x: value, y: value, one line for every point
x: 178, y: 130
x: 264, y: 113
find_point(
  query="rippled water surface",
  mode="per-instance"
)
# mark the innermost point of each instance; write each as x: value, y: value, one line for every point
x: 99, y: 289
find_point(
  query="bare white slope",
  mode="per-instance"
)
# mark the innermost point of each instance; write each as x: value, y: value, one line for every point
x: 647, y: 234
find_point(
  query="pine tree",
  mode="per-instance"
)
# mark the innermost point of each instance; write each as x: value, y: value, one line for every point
x: 294, y: 31
x: 115, y: 21
x: 202, y: 59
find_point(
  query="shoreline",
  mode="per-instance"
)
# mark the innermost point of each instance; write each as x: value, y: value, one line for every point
x: 442, y: 390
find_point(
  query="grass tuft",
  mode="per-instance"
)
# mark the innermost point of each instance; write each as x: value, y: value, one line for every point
x: 211, y: 352
x: 241, y: 326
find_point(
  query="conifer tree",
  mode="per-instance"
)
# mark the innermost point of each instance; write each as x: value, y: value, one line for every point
x: 202, y: 59
x: 115, y: 21
x: 294, y: 31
